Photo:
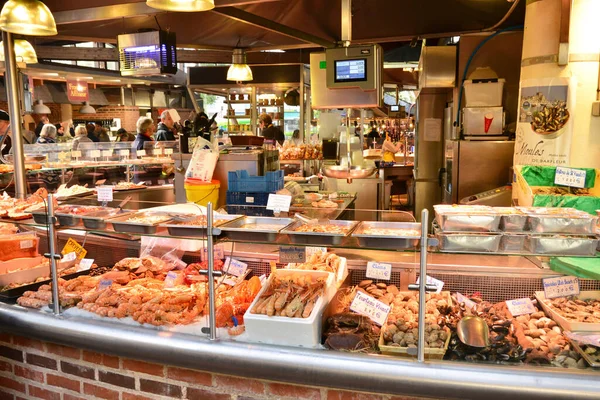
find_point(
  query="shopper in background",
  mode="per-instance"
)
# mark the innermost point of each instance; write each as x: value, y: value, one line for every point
x: 296, y: 139
x: 4, y: 127
x: 81, y: 136
x: 269, y: 131
x: 124, y: 136
x: 47, y: 135
x: 101, y: 133
x: 60, y: 134
x: 90, y: 133
x: 43, y: 121
x: 145, y: 129
x: 165, y: 129
x: 390, y: 149
x: 373, y: 135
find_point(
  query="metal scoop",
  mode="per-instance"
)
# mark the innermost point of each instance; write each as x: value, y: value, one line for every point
x: 473, y: 331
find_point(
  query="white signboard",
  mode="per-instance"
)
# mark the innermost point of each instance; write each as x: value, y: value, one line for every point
x: 570, y: 177
x: 379, y: 270
x: 369, y: 306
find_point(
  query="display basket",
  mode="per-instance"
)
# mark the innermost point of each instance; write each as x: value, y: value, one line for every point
x: 240, y: 181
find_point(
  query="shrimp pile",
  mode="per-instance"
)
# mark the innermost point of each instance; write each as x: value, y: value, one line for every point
x: 292, y: 296
x: 69, y: 292
x: 319, y: 261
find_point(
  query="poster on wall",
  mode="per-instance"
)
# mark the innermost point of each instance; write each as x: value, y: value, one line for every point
x: 545, y: 125
x: 77, y: 91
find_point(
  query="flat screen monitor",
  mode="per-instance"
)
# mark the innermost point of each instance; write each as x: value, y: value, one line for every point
x: 351, y: 70
x: 394, y: 108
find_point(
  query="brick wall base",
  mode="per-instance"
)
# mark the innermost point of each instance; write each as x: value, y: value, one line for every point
x: 31, y: 369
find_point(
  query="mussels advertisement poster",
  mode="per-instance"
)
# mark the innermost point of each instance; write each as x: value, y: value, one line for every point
x: 545, y: 123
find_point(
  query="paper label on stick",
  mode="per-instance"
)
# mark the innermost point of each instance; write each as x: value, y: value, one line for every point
x: 561, y: 286
x: 85, y: 264
x: 105, y: 193
x: 95, y: 153
x: 279, y: 202
x: 168, y: 152
x: 570, y: 177
x: 432, y: 281
x: 315, y: 250
x: 291, y: 254
x: 75, y: 153
x: 107, y: 153
x: 124, y: 153
x: 73, y: 246
x: 235, y: 267
x: 520, y: 306
x: 170, y: 279
x: 104, y: 284
x: 379, y: 270
x: 158, y: 151
x: 141, y: 153
x: 370, y: 307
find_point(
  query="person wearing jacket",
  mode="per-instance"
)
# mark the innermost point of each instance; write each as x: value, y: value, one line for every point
x: 145, y: 129
x: 47, y: 134
x: 165, y: 129
x: 269, y: 131
x: 80, y: 137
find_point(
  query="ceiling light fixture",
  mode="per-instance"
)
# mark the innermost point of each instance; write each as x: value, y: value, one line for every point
x: 87, y: 109
x: 27, y: 17
x: 40, y: 108
x: 182, y: 5
x: 24, y: 52
x: 239, y: 71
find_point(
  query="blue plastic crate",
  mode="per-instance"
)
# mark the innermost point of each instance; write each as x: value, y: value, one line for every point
x: 248, y: 203
x: 240, y: 181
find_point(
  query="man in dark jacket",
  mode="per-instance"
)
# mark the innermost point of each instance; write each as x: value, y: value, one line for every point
x: 91, y: 134
x: 145, y: 128
x: 164, y: 131
x: 43, y: 121
x: 269, y: 131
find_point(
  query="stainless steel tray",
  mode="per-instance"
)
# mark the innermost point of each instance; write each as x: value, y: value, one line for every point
x: 563, y: 245
x: 575, y: 224
x: 40, y: 217
x: 464, y: 222
x: 511, y: 220
x: 98, y: 220
x: 330, y: 239
x: 197, y: 230
x: 513, y: 243
x: 592, y: 361
x: 469, y: 242
x: 121, y: 223
x: 234, y: 231
x: 68, y: 219
x: 397, y: 241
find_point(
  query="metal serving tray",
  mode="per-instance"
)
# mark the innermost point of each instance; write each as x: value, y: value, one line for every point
x: 328, y: 239
x: 574, y: 224
x: 468, y: 242
x: 511, y: 219
x: 98, y: 220
x: 121, y: 223
x: 467, y: 222
x: 398, y: 241
x: 563, y: 245
x: 513, y: 243
x: 181, y: 229
x: 234, y: 231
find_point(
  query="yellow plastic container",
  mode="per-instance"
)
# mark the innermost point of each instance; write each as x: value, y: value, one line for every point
x: 202, y: 192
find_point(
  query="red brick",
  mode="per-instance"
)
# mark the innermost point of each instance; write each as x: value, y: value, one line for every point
x: 343, y: 395
x: 129, y: 396
x: 144, y: 367
x: 41, y: 361
x: 40, y: 393
x: 30, y: 343
x: 240, y: 384
x: 63, y: 382
x: 190, y: 376
x: 299, y: 392
x: 63, y: 351
x: 12, y: 384
x: 30, y: 374
x: 201, y: 394
x: 77, y: 370
x: 99, y: 391
x: 160, y: 388
x: 6, y: 338
x: 67, y: 396
x: 116, y: 379
x: 101, y: 359
x: 13, y: 354
x: 8, y: 396
x: 5, y: 366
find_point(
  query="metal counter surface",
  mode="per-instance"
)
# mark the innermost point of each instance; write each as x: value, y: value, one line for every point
x: 350, y: 371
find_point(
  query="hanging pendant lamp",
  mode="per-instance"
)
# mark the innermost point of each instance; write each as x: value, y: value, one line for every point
x: 87, y: 109
x: 24, y: 52
x: 40, y: 108
x: 27, y: 17
x: 239, y: 71
x: 182, y: 5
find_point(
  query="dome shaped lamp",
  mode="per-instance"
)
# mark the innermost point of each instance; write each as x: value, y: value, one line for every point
x: 182, y: 5
x: 40, y: 108
x: 239, y: 71
x: 27, y: 17
x: 87, y: 109
x: 24, y: 52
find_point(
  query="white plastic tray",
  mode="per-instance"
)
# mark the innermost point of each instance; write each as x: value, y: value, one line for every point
x: 566, y: 324
x: 27, y: 274
x: 301, y: 332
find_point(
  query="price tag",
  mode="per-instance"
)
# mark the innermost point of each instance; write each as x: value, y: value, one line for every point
x: 85, y: 264
x: 73, y: 246
x: 372, y: 308
x: 250, y: 200
x: 75, y: 153
x: 561, y: 286
x: 158, y: 151
x: 104, y: 284
x: 170, y: 279
x: 219, y: 253
x: 26, y: 244
x: 379, y: 270
x: 140, y: 153
x: 279, y: 202
x: 432, y: 281
x: 94, y: 153
x: 463, y: 299
x: 235, y: 267
x: 124, y: 153
x: 168, y: 152
x: 69, y: 257
x: 570, y: 177
x: 520, y: 306
x: 315, y: 250
x: 292, y: 254
x: 107, y: 153
x: 105, y: 193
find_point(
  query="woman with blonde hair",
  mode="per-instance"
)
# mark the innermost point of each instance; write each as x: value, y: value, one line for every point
x: 80, y: 137
x: 47, y: 134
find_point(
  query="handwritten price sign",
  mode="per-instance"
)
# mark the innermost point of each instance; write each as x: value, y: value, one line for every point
x: 235, y: 267
x: 520, y: 306
x: 570, y: 177
x: 370, y: 307
x: 379, y: 270
x: 561, y: 286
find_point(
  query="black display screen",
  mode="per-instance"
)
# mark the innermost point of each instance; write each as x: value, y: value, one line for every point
x: 351, y: 70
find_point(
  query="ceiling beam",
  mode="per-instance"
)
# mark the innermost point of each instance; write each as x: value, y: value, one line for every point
x: 272, y: 26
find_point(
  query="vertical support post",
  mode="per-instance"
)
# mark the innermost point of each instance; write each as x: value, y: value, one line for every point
x: 422, y: 284
x: 52, y: 255
x: 14, y: 110
x: 346, y: 22
x: 302, y: 124
x: 254, y: 112
x: 212, y: 319
x: 122, y: 95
